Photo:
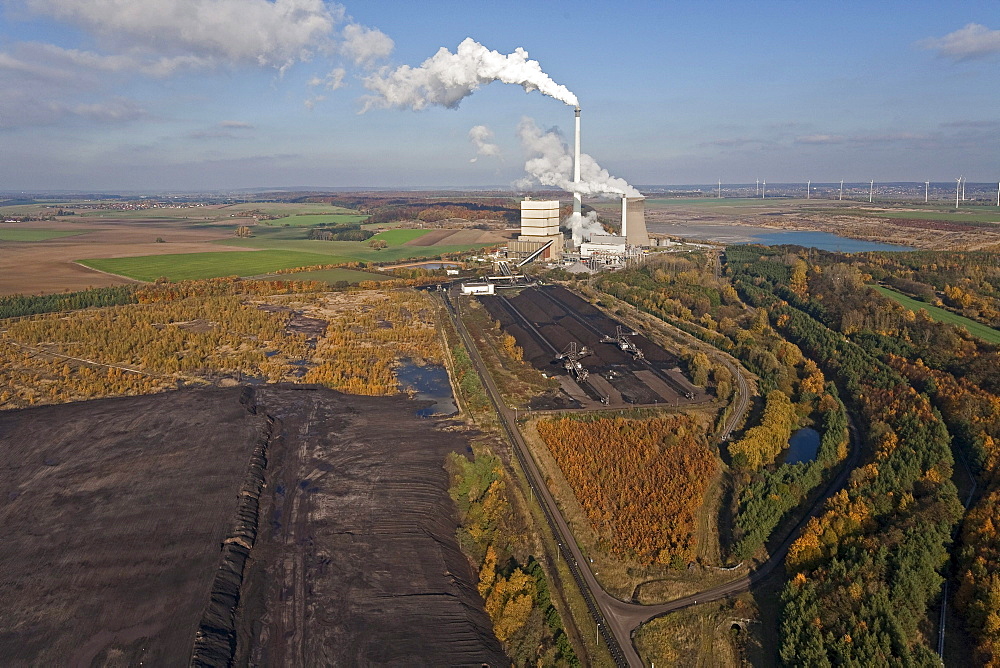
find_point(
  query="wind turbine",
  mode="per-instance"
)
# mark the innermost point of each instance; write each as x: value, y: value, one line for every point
x: 808, y: 188
x: 720, y: 188
x: 871, y: 192
x: 927, y: 185
x: 958, y: 187
x: 841, y: 189
x: 763, y: 187
x: 756, y: 192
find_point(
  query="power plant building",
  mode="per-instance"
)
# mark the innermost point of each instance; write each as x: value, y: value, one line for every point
x: 539, y: 218
x: 539, y: 225
x: 634, y: 221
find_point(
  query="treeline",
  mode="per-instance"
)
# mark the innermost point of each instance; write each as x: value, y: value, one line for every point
x: 965, y: 282
x: 687, y: 293
x: 762, y: 443
x: 340, y: 232
x: 973, y: 417
x: 772, y: 493
x: 500, y: 210
x: 22, y: 305
x: 865, y: 570
x: 641, y: 482
x: 512, y: 584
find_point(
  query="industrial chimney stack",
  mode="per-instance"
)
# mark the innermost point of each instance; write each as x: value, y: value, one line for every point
x: 577, y: 198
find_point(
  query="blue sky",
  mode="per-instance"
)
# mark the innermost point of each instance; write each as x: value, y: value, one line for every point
x: 225, y: 94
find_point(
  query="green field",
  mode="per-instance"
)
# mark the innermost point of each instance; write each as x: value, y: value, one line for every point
x: 310, y: 220
x: 977, y: 329
x: 285, y: 209
x: 332, y: 276
x: 13, y: 234
x: 187, y: 266
x: 290, y: 239
x: 399, y: 237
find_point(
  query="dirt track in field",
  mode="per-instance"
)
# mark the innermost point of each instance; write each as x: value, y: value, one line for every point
x: 115, y: 510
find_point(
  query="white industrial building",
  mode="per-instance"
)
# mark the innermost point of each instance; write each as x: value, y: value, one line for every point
x: 539, y: 226
x: 602, y: 243
x: 486, y: 288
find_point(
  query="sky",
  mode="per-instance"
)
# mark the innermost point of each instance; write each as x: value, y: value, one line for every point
x: 206, y: 95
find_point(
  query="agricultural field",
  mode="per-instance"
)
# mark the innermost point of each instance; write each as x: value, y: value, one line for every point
x: 191, y: 266
x: 35, y: 234
x: 396, y: 237
x: 977, y: 329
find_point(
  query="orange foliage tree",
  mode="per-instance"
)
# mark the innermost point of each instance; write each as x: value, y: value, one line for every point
x: 641, y: 482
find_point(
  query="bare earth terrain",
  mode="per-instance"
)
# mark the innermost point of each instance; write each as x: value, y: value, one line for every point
x: 49, y: 266
x: 115, y: 511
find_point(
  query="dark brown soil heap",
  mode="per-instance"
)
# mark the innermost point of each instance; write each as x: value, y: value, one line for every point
x: 114, y: 513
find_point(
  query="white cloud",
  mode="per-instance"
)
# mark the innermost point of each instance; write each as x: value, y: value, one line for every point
x: 332, y: 81
x: 236, y: 125
x: 819, y: 139
x: 972, y: 41
x: 365, y: 45
x: 482, y: 138
x: 260, y: 32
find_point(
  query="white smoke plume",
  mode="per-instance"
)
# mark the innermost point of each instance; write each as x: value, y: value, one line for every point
x: 446, y: 78
x: 482, y: 138
x: 550, y: 163
x: 583, y: 226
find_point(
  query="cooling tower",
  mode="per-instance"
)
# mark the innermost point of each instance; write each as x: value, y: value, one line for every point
x: 634, y: 221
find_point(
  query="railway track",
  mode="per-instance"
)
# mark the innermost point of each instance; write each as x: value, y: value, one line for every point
x: 571, y: 312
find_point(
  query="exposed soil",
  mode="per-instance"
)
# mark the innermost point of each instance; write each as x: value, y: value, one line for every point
x: 356, y: 562
x: 40, y: 267
x: 115, y: 511
x: 457, y: 237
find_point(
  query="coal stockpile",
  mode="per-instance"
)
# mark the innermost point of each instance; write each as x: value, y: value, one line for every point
x: 356, y: 561
x: 286, y: 526
x: 114, y: 512
x: 545, y: 321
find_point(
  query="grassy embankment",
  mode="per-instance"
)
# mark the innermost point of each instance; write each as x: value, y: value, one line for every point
x: 974, y: 328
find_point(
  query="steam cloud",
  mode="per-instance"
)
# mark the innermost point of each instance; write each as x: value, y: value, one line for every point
x: 551, y: 164
x: 583, y: 226
x: 446, y: 78
x: 482, y: 138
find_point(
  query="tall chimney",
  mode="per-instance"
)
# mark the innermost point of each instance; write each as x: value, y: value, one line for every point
x: 577, y: 198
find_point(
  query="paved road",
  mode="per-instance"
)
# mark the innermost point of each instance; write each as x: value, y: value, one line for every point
x: 617, y: 620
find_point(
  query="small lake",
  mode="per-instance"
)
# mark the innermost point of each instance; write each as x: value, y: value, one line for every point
x: 428, y: 383
x: 823, y: 241
x: 748, y: 234
x: 802, y: 446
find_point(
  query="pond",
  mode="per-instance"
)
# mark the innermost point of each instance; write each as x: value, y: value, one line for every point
x: 802, y: 446
x: 743, y: 234
x: 823, y: 241
x: 428, y: 383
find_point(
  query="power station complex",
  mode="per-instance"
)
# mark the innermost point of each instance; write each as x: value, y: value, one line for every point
x: 541, y: 239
